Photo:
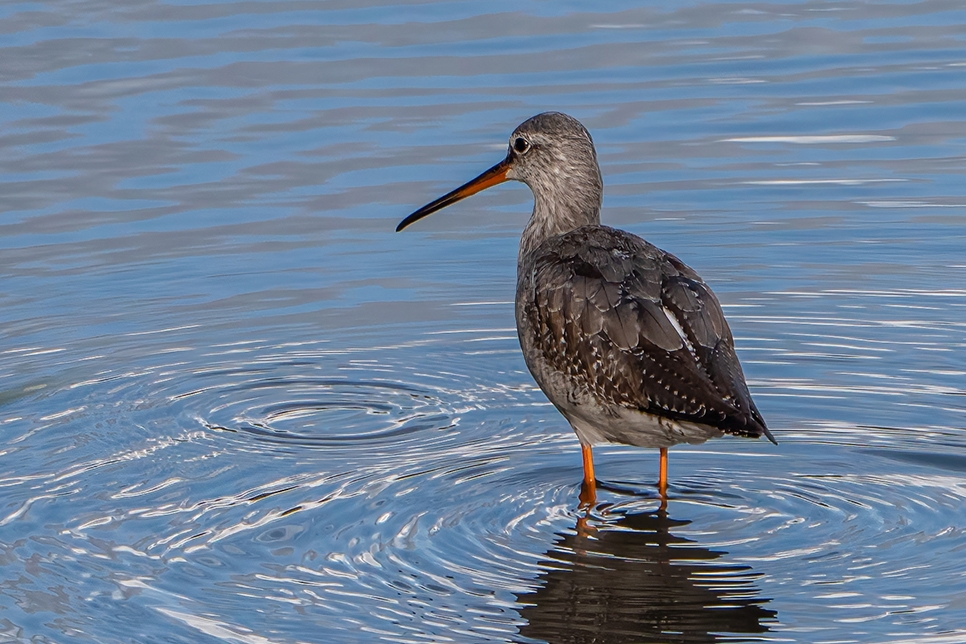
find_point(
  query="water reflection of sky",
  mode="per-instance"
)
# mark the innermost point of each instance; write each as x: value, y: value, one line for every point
x: 234, y: 405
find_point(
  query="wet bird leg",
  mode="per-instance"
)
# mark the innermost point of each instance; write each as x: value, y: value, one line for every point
x: 588, y: 488
x: 662, y: 477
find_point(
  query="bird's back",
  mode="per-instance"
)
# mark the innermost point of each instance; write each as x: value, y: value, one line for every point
x: 607, y: 320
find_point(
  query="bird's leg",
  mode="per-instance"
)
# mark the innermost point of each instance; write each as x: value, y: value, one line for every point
x: 662, y: 478
x: 588, y: 488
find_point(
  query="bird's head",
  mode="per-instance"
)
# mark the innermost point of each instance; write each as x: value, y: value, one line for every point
x: 554, y: 155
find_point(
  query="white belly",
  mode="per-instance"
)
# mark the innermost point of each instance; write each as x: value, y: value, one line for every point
x: 596, y: 423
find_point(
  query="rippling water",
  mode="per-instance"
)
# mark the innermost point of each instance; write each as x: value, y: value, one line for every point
x: 235, y: 406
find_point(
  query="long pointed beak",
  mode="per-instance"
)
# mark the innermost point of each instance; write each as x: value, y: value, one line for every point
x: 493, y: 176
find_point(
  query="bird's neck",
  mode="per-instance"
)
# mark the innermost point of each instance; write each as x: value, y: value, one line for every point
x: 553, y: 217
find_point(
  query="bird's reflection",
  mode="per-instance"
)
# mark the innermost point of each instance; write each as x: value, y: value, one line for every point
x: 631, y: 580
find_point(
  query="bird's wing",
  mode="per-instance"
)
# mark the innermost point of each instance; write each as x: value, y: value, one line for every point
x: 638, y: 328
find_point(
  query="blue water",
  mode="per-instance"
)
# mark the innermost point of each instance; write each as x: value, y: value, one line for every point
x: 235, y: 406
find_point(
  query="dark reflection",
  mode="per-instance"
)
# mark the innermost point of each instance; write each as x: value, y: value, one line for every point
x: 633, y: 581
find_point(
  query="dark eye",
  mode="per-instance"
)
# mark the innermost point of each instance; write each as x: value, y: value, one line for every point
x: 520, y: 144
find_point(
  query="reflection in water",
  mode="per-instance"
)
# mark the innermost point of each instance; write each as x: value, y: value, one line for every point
x: 634, y: 581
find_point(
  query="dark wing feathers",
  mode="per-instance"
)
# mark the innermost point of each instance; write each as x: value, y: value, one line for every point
x: 602, y: 302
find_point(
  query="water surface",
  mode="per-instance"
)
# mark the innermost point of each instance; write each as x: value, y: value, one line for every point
x: 236, y: 406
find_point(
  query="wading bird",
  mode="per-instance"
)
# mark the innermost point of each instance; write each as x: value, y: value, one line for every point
x: 626, y: 341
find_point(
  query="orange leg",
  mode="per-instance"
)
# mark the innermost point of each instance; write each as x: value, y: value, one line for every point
x: 662, y: 477
x: 588, y: 489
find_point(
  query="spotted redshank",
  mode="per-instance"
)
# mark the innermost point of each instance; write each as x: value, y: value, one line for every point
x: 626, y: 341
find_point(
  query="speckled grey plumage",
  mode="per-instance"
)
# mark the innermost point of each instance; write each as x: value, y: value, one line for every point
x: 624, y: 339
x: 598, y: 314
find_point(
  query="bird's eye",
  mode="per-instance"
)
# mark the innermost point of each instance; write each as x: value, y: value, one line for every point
x: 520, y: 144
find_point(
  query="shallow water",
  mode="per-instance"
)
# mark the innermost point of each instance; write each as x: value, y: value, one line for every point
x: 235, y: 406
